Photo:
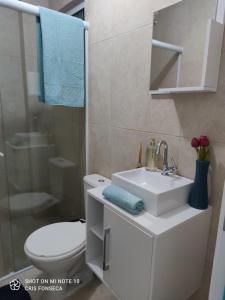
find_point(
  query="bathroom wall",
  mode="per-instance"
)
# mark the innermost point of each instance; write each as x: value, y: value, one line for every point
x: 122, y: 114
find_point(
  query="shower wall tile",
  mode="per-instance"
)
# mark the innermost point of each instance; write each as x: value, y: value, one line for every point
x: 29, y: 28
x: 9, y: 33
x: 29, y: 37
x: 12, y: 95
x: 66, y: 132
x: 11, y: 83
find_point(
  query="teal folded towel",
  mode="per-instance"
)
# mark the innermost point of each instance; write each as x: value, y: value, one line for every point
x: 123, y: 199
x: 60, y: 54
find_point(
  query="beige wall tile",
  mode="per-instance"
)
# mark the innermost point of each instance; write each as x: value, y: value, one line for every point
x: 162, y: 116
x: 113, y: 17
x: 99, y: 14
x: 100, y: 150
x: 135, y: 116
x: 100, y: 82
x: 160, y: 4
x: 130, y: 78
x: 201, y: 114
x: 128, y: 15
x: 125, y: 147
x: 186, y: 158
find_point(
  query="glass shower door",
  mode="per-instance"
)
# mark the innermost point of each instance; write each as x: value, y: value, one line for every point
x: 11, y: 93
x: 43, y: 146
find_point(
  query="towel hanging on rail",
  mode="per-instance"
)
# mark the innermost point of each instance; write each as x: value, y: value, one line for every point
x: 60, y: 53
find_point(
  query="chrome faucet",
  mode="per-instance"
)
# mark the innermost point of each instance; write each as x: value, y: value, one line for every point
x: 166, y: 169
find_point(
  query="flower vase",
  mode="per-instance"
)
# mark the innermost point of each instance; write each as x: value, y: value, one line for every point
x: 198, y: 197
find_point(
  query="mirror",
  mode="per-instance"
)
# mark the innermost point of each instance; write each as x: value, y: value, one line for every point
x: 179, y: 44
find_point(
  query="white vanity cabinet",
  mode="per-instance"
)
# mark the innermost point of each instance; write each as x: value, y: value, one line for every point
x: 145, y: 257
x: 128, y: 265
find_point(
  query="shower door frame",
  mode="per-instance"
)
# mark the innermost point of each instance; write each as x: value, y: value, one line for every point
x: 71, y: 12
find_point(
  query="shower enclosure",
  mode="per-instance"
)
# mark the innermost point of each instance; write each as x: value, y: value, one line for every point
x: 42, y: 148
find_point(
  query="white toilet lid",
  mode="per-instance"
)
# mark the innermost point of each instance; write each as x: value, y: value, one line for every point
x: 57, y: 239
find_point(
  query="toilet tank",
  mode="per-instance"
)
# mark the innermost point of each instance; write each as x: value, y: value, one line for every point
x: 92, y: 181
x: 62, y: 177
x: 95, y: 180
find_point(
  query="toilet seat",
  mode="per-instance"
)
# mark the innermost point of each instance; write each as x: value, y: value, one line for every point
x: 56, y: 241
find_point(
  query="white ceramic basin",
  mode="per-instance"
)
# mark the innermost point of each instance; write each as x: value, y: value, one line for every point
x: 160, y: 193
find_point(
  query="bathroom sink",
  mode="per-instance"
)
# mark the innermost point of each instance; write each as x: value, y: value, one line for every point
x: 160, y: 193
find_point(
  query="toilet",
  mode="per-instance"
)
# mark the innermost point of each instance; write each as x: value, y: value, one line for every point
x: 58, y: 248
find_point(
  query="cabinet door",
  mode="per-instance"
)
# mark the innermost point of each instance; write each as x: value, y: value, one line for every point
x: 129, y: 255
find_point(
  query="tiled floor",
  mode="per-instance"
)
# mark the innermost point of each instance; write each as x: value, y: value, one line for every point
x: 95, y: 290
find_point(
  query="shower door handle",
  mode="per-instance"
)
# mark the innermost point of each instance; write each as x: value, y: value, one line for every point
x: 106, y: 249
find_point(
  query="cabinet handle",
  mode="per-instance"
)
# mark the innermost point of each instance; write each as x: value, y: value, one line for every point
x: 106, y: 249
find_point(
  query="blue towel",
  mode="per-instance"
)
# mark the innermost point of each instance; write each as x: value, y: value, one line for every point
x: 123, y: 199
x: 60, y: 54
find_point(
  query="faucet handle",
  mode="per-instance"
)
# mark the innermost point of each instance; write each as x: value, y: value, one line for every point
x: 174, y: 166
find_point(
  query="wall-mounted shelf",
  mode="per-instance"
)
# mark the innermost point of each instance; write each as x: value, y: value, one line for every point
x: 179, y: 90
x: 210, y: 67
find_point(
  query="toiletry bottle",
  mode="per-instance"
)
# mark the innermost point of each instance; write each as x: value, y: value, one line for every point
x: 151, y: 156
x: 139, y: 163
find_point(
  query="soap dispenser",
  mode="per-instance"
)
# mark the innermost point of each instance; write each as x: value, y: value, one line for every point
x: 151, y: 156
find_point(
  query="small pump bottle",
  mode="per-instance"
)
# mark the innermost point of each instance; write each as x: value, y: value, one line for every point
x: 151, y: 156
